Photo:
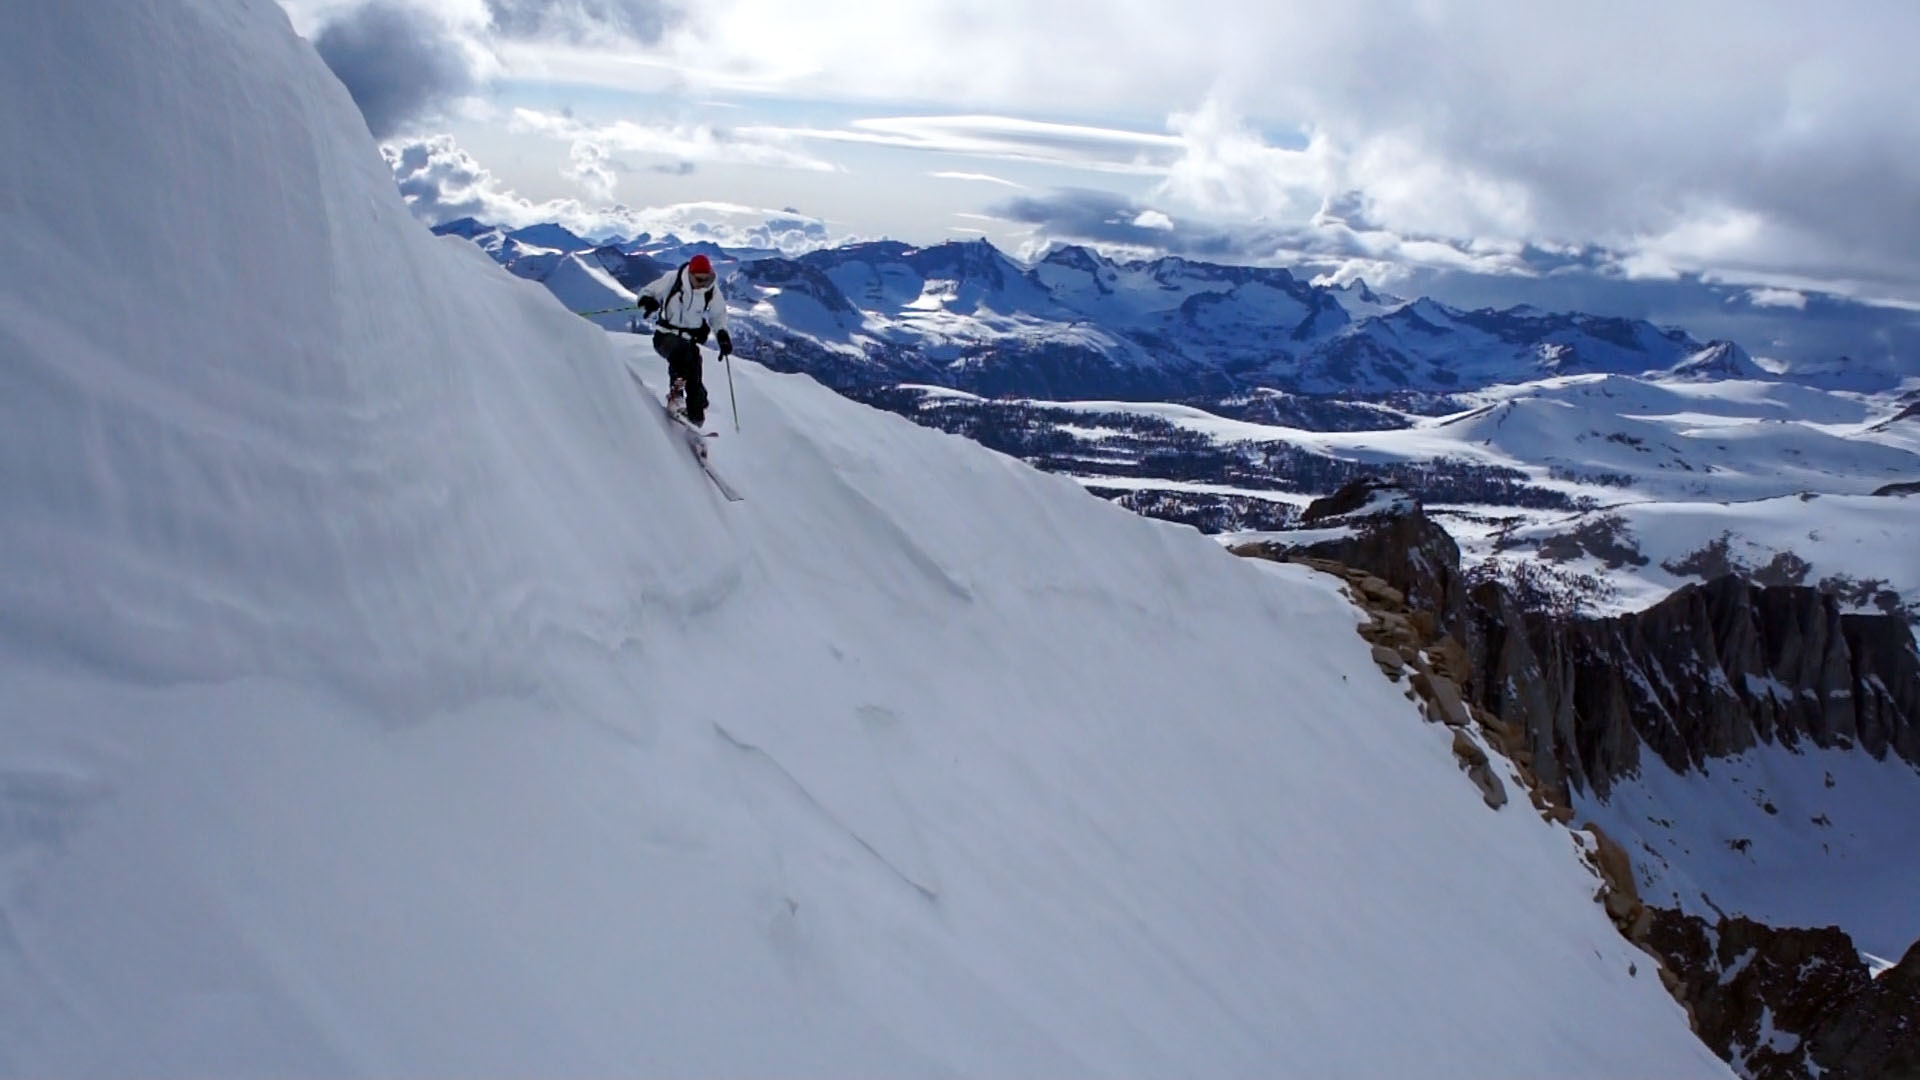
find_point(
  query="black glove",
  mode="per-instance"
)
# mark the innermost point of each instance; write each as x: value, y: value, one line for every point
x: 648, y: 306
x: 726, y: 343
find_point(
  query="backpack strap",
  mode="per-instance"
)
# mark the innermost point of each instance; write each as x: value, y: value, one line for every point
x: 680, y: 276
x: 674, y: 290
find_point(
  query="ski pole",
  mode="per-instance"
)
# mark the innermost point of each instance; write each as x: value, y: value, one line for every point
x: 728, y: 361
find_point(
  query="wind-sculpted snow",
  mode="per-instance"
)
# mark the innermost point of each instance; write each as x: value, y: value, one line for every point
x: 386, y: 692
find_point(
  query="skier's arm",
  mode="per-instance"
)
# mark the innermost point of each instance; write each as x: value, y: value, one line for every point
x: 717, y: 311
x: 655, y: 294
x: 660, y: 287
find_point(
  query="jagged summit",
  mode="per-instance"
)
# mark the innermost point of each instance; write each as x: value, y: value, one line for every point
x: 1719, y: 360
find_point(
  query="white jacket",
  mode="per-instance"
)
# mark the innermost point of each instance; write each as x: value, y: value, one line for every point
x: 689, y: 307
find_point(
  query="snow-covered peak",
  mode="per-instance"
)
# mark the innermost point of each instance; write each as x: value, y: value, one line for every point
x: 1719, y: 360
x: 551, y: 237
x: 585, y: 286
x: 1360, y: 301
x: 466, y: 227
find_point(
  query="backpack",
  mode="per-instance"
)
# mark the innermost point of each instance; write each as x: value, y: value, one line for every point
x: 674, y: 290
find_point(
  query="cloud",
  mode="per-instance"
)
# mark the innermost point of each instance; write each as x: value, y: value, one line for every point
x: 602, y: 22
x: 408, y: 61
x: 1327, y: 247
x: 682, y: 143
x: 399, y: 61
x: 1778, y: 298
x: 1769, y: 143
x: 593, y: 168
x: 983, y: 178
x: 1001, y: 137
x: 441, y: 182
x: 1735, y: 137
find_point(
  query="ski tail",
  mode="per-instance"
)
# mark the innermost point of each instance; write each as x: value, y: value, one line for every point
x: 696, y: 441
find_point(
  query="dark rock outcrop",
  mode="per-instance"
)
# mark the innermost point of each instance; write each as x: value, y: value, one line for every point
x: 1571, y: 701
x: 1781, y: 1004
x: 1388, y: 535
x: 1710, y: 671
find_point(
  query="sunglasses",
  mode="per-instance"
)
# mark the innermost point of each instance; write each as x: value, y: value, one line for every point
x: 700, y: 281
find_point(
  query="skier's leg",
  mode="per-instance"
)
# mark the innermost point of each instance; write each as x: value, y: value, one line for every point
x: 663, y: 344
x: 684, y: 365
x: 697, y: 393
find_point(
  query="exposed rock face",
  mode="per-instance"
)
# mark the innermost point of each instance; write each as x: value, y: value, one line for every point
x: 1785, y: 1004
x: 1571, y: 702
x: 1710, y: 671
x: 1389, y: 536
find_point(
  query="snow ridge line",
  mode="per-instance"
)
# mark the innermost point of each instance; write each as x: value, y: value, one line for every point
x: 927, y: 892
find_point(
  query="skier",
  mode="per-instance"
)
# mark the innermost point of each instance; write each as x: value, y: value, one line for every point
x: 685, y: 305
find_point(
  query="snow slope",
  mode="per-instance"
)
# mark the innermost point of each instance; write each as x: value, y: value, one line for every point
x: 1609, y: 438
x: 386, y: 693
x: 1808, y: 838
x: 584, y: 286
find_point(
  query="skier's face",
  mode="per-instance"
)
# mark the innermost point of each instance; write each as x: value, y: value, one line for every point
x: 700, y: 281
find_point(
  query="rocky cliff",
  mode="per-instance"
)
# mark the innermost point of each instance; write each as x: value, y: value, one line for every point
x: 1573, y: 702
x: 1710, y: 671
x: 1782, y: 1004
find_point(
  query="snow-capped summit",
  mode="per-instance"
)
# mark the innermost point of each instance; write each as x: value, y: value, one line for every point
x: 585, y: 286
x: 1719, y: 360
x: 552, y: 237
x: 467, y: 228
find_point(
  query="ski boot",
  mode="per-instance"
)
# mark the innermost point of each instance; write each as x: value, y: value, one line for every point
x: 677, y: 398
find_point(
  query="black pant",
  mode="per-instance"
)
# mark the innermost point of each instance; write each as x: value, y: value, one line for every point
x: 683, y: 362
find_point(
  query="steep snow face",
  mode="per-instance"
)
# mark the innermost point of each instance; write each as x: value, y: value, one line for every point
x: 386, y: 693
x: 583, y: 285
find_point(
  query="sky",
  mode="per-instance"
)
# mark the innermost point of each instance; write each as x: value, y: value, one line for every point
x: 1753, y: 163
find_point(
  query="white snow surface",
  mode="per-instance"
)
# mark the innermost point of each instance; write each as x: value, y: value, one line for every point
x: 383, y: 691
x: 584, y: 286
x: 1864, y: 538
x: 1611, y: 438
x: 1835, y: 850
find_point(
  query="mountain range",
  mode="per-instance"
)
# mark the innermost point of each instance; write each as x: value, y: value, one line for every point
x: 1078, y: 324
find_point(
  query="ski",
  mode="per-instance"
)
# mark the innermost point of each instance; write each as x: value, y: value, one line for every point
x: 696, y: 441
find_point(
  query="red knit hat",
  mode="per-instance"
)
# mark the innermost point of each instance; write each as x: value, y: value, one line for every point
x: 699, y: 265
